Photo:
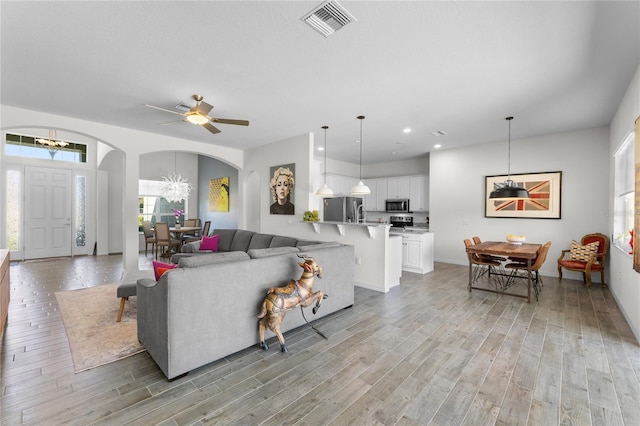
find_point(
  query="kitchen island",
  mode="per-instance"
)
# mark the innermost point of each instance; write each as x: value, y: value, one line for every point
x: 378, y: 254
x: 417, y: 251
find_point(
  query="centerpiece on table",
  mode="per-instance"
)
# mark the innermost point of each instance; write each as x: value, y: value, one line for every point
x: 177, y: 213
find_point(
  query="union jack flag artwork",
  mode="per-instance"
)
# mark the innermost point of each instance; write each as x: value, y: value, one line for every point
x: 544, y: 191
x: 539, y: 192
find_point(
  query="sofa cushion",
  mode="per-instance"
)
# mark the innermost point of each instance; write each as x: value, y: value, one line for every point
x: 241, y: 240
x: 260, y: 241
x: 282, y: 241
x: 226, y: 237
x: 275, y: 251
x: 159, y: 268
x: 328, y: 244
x: 210, y: 243
x: 210, y: 258
x: 301, y: 243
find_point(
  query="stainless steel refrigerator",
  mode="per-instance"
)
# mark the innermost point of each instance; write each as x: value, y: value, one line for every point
x: 343, y: 209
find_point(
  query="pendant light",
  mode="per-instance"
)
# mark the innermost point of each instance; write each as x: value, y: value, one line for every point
x: 325, y: 191
x: 360, y: 189
x: 174, y: 188
x: 509, y: 190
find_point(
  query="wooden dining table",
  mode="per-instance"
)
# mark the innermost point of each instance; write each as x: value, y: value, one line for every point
x: 183, y: 230
x: 528, y: 251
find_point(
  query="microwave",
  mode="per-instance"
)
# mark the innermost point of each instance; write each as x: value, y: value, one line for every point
x: 398, y: 205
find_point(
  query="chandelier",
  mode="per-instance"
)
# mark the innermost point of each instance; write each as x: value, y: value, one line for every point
x: 174, y: 188
x: 52, y: 144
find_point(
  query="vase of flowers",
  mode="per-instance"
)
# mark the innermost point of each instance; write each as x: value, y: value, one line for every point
x: 177, y: 213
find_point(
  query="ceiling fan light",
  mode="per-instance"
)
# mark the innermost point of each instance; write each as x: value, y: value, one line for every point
x: 197, y: 119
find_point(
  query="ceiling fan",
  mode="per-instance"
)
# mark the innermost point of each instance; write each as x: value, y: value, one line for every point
x: 198, y: 114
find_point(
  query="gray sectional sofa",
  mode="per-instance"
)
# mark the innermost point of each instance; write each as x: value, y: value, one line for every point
x: 207, y: 307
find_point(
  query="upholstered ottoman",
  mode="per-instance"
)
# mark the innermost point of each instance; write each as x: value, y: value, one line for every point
x: 124, y: 291
x: 127, y: 287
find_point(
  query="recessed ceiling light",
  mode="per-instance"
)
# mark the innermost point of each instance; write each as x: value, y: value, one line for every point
x: 320, y: 148
x: 407, y: 130
x: 393, y: 153
x: 437, y: 146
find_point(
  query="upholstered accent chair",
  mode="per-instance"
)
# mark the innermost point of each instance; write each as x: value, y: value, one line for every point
x: 588, y: 256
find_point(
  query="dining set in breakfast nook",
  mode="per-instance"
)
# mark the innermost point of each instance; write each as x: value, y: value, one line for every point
x: 496, y: 266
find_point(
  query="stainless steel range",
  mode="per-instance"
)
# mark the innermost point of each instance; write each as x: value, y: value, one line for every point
x: 398, y: 223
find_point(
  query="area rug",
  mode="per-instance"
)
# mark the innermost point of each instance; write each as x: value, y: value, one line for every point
x: 89, y: 316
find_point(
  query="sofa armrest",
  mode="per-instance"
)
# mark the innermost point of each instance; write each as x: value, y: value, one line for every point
x: 147, y: 282
x: 192, y: 247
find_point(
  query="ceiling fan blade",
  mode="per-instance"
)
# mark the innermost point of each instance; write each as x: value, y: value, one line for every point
x: 203, y: 108
x: 230, y: 121
x: 211, y: 128
x: 172, y: 122
x: 162, y: 109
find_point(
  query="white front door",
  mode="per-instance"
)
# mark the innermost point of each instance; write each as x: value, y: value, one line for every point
x: 48, y: 198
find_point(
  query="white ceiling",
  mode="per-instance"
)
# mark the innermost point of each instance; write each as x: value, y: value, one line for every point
x: 460, y: 67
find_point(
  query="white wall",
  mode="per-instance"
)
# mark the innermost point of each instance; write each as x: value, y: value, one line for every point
x: 457, y: 193
x: 624, y: 281
x: 414, y: 166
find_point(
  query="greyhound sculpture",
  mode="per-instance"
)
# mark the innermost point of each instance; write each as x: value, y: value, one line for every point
x: 280, y: 300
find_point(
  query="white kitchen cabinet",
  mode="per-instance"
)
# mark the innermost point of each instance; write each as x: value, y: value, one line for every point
x: 419, y: 193
x: 398, y: 187
x: 381, y: 194
x: 417, y: 252
x: 376, y: 200
x: 341, y: 185
x: 371, y: 200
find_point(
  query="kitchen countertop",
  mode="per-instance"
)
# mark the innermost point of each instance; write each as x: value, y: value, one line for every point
x: 409, y: 230
x: 352, y: 223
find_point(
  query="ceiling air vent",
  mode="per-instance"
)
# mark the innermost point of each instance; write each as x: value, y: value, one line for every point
x: 184, y: 106
x: 328, y: 18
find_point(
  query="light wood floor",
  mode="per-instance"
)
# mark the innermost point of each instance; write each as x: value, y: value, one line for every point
x: 427, y: 352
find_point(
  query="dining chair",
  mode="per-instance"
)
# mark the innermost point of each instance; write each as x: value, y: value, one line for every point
x: 482, y: 265
x: 577, y: 262
x: 535, y: 267
x: 205, y: 231
x: 190, y: 235
x: 149, y: 237
x: 477, y: 240
x: 163, y: 239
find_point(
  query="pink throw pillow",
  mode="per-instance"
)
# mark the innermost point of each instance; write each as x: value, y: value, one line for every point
x: 159, y: 268
x: 210, y: 243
